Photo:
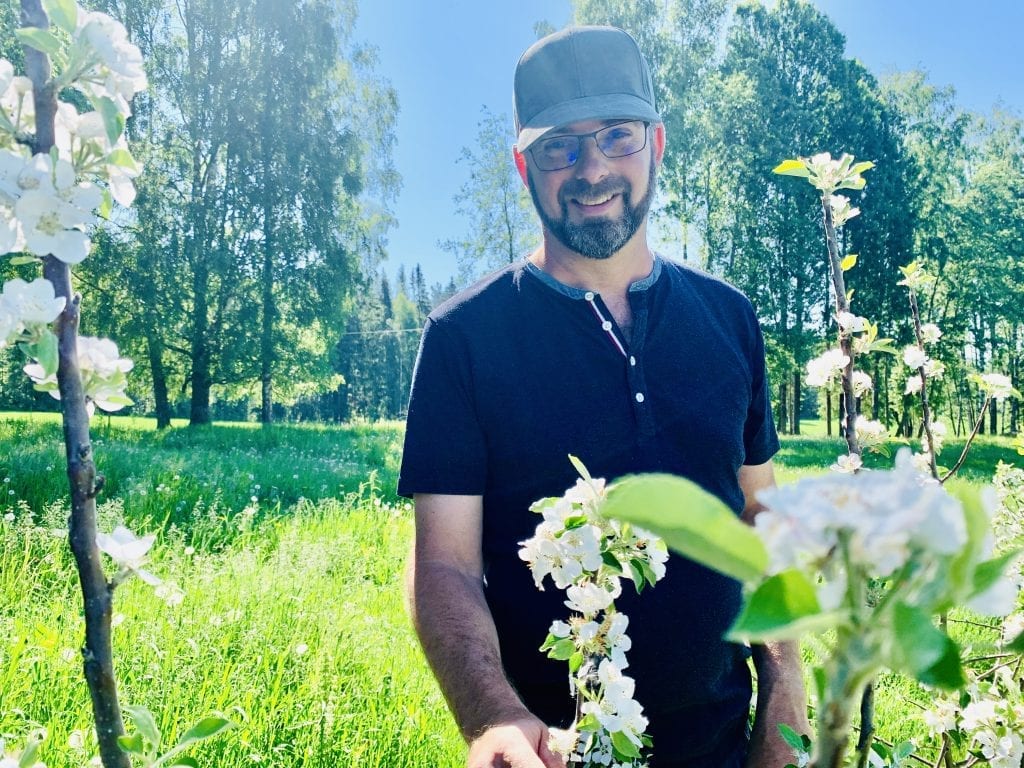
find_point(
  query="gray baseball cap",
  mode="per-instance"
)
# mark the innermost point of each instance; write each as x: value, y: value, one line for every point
x: 581, y: 73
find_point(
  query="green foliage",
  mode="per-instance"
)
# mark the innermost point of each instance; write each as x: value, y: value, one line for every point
x: 691, y: 521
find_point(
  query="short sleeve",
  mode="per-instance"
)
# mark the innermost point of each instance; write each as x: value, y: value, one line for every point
x: 760, y: 441
x: 445, y: 449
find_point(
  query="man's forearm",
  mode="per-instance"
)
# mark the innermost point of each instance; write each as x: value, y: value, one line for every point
x: 457, y: 633
x: 781, y: 698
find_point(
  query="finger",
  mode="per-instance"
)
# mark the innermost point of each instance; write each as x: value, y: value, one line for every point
x: 549, y: 758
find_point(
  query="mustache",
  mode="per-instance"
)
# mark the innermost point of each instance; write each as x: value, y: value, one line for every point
x: 610, y: 185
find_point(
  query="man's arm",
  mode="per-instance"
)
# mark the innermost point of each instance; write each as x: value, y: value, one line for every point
x: 781, y: 696
x: 459, y: 639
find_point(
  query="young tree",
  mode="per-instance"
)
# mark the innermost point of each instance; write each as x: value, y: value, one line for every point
x: 502, y: 226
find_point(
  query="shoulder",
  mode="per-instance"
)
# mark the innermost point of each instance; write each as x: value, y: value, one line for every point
x: 483, y: 302
x: 716, y: 294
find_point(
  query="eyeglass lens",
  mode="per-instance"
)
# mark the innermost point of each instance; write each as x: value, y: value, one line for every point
x: 614, y: 141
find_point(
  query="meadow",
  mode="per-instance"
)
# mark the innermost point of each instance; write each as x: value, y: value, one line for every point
x: 282, y: 554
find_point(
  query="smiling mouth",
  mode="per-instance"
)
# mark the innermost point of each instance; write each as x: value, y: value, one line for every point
x: 592, y: 202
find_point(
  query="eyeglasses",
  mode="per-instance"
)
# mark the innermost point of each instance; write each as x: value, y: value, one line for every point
x: 618, y: 140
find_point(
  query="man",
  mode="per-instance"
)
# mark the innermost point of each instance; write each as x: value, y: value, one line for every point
x: 596, y: 347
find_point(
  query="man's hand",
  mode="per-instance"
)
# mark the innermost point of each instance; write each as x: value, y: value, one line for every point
x: 520, y: 743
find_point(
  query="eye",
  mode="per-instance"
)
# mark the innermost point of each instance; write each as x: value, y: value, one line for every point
x: 558, y: 145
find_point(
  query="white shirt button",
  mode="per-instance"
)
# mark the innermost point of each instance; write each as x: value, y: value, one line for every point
x: 639, y: 397
x: 589, y: 295
x: 606, y: 325
x: 632, y: 360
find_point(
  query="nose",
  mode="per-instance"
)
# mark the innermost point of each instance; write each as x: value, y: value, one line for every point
x: 591, y: 165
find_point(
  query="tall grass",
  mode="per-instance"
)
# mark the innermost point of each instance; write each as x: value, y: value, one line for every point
x: 285, y: 612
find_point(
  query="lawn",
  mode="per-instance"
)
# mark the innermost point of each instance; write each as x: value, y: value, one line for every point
x: 282, y: 554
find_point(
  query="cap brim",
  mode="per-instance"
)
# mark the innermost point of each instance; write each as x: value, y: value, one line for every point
x: 606, y: 106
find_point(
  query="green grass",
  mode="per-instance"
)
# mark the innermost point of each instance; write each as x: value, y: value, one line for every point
x: 292, y: 621
x: 288, y: 546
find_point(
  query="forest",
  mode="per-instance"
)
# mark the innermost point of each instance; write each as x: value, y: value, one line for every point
x: 248, y: 281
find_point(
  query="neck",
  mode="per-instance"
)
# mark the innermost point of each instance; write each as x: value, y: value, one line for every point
x: 609, y: 277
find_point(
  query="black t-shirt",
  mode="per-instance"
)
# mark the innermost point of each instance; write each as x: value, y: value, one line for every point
x: 520, y: 371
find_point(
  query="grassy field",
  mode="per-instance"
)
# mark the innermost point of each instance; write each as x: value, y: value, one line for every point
x: 282, y: 550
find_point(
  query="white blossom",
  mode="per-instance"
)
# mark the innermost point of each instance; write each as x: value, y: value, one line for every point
x: 31, y: 303
x: 841, y: 210
x: 913, y: 386
x: 115, y: 70
x: 589, y: 598
x: 822, y: 370
x: 941, y: 718
x: 914, y: 357
x: 848, y: 464
x: 870, y: 433
x: 128, y: 551
x: 862, y: 383
x: 851, y: 323
x: 934, y: 369
x: 103, y: 374
x: 884, y: 515
x: 930, y: 333
x: 996, y: 385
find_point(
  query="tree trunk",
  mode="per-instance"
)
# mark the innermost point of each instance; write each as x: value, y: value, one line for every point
x: 828, y: 414
x: 783, y: 421
x: 156, y: 366
x: 797, y: 396
x: 98, y: 661
x: 267, y: 329
x: 199, y: 412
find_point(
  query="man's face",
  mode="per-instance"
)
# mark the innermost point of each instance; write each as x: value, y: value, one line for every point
x: 595, y: 206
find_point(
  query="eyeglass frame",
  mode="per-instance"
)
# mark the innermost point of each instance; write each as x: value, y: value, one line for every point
x: 580, y: 136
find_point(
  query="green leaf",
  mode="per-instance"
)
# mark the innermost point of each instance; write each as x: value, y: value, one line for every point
x: 622, y: 744
x: 575, y: 662
x: 19, y: 260
x: 947, y: 673
x: 122, y: 158
x: 576, y: 521
x: 189, y: 761
x: 40, y: 39
x: 145, y: 722
x: 580, y: 468
x: 205, y: 728
x: 855, y: 183
x: 63, y: 13
x: 917, y: 643
x: 692, y: 522
x: 132, y: 744
x: 28, y: 757
x: 636, y: 574
x: 106, y: 204
x: 848, y: 262
x: 859, y: 168
x: 792, y: 168
x: 791, y: 737
x: 611, y: 562
x: 989, y: 572
x: 562, y: 649
x: 961, y: 569
x: 1017, y: 644
x: 113, y: 120
x: 46, y: 351
x: 588, y: 723
x: 783, y: 607
x: 820, y: 682
x: 549, y: 641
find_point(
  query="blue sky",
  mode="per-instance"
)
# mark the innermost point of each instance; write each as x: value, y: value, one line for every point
x: 450, y: 58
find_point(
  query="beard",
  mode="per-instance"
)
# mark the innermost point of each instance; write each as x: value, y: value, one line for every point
x: 598, y: 238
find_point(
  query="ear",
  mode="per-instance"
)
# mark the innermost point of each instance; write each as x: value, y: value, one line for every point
x: 520, y: 165
x: 659, y: 142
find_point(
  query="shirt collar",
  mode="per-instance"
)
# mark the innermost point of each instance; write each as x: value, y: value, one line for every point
x: 581, y: 293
